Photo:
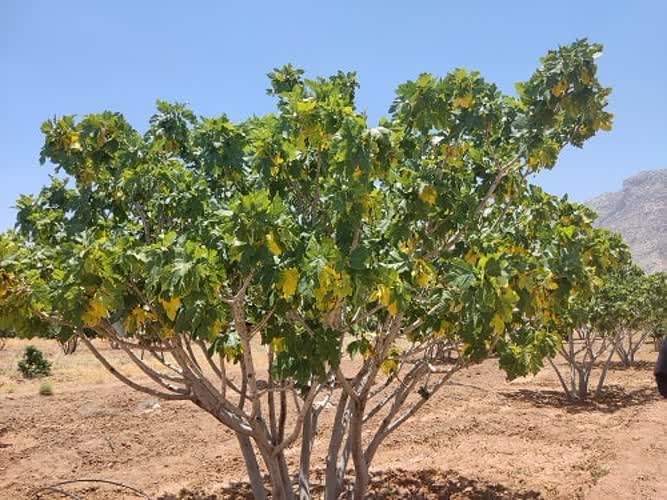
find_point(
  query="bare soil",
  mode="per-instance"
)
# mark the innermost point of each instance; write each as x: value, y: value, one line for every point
x: 480, y: 437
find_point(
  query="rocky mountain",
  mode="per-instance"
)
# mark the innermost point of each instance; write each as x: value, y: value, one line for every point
x: 639, y: 212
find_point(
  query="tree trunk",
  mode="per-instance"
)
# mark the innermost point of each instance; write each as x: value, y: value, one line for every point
x: 563, y: 384
x: 603, y: 375
x: 361, y: 478
x: 623, y: 356
x: 308, y: 436
x: 630, y: 354
x: 635, y: 348
x: 281, y: 486
x: 252, y: 467
x: 285, y: 475
x: 582, y: 384
x: 622, y: 352
x: 333, y: 479
x: 69, y: 346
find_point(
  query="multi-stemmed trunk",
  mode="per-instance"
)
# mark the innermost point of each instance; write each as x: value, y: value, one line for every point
x: 369, y: 405
x: 581, y: 351
x: 629, y: 346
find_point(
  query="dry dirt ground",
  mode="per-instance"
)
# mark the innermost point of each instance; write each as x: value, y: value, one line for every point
x: 480, y: 437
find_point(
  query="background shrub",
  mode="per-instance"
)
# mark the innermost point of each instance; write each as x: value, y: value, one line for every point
x: 34, y: 364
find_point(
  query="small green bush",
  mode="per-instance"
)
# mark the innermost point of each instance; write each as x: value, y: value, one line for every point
x: 34, y: 364
x: 46, y: 389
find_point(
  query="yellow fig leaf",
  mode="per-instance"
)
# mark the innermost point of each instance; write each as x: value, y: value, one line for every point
x: 464, y: 102
x: 137, y: 317
x: 171, y: 307
x: 408, y: 246
x: 382, y: 295
x: 218, y: 327
x: 446, y: 327
x: 498, y: 324
x: 306, y: 106
x: 423, y: 273
x: 389, y: 366
x: 471, y: 257
x: 278, y: 344
x: 605, y: 123
x: 74, y: 143
x: 272, y: 244
x: 288, y: 282
x: 333, y: 285
x: 428, y: 195
x: 371, y: 204
x: 559, y: 89
x: 393, y: 308
x: 552, y: 285
x: 94, y: 313
x: 277, y: 161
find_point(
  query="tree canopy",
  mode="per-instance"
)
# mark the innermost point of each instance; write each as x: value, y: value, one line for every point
x: 322, y: 237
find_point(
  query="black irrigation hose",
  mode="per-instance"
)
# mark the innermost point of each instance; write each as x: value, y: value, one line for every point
x: 56, y: 487
x: 57, y: 490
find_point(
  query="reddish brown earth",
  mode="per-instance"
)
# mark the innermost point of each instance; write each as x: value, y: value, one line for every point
x: 481, y: 437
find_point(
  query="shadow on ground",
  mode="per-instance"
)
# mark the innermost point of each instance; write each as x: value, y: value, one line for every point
x: 636, y: 365
x: 429, y: 484
x: 612, y: 399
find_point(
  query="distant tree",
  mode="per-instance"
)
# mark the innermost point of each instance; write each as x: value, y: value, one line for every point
x: 306, y: 236
x: 67, y: 342
x: 70, y: 345
x: 616, y: 319
x: 656, y: 311
x: 589, y: 339
x: 659, y: 326
x: 632, y: 304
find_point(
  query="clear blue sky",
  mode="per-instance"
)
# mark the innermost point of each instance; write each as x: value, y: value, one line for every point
x: 62, y: 57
